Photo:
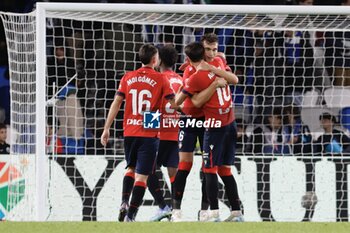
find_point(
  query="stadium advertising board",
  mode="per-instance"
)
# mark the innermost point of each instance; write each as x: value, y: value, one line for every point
x: 8, y: 172
x: 271, y: 189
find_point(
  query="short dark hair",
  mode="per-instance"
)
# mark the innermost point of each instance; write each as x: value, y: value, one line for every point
x: 146, y: 52
x: 195, y: 51
x: 168, y: 55
x: 210, y: 38
x: 327, y: 115
x: 2, y: 126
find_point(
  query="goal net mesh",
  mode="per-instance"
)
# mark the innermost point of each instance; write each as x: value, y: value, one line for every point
x: 292, y: 69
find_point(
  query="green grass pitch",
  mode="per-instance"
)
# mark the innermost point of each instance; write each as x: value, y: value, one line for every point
x: 165, y: 227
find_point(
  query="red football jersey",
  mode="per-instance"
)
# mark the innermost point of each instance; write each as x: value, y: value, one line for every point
x: 222, y: 63
x: 220, y: 106
x: 188, y: 107
x: 170, y: 116
x: 143, y: 90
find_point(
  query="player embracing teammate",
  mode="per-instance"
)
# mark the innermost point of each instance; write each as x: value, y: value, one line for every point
x: 146, y: 90
x: 168, y: 150
x: 219, y: 142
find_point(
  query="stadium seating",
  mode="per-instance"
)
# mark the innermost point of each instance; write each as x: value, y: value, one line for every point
x: 337, y: 97
x: 311, y: 98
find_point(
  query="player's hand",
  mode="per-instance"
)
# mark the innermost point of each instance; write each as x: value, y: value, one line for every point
x: 184, y: 65
x: 220, y: 82
x: 105, y: 137
x: 204, y: 66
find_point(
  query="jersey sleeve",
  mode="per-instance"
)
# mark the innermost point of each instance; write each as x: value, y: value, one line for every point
x: 193, y: 84
x: 122, y: 87
x: 168, y: 92
x: 176, y: 85
x: 224, y: 63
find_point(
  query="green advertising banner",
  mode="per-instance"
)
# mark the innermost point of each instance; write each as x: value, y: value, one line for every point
x: 7, y: 173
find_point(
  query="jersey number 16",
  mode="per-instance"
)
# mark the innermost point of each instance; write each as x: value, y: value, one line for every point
x: 140, y: 101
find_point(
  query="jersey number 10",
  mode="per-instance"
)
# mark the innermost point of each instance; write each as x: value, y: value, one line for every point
x: 224, y: 95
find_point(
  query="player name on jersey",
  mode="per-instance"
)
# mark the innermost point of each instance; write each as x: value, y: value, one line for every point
x: 142, y: 79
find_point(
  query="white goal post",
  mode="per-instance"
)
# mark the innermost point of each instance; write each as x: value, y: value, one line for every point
x: 266, y: 183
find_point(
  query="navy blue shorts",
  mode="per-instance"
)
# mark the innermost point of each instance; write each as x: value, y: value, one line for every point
x: 168, y: 153
x: 220, y: 146
x: 188, y: 136
x: 141, y: 153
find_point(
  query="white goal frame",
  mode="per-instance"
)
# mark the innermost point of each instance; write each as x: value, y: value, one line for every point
x: 41, y: 13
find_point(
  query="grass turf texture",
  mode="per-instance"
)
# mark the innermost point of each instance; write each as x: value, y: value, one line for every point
x: 165, y: 227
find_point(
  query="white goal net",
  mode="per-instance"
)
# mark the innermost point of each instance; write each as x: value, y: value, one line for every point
x: 291, y: 104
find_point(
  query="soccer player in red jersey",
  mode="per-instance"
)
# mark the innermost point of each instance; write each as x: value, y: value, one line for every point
x: 188, y: 136
x: 219, y: 137
x: 168, y: 150
x: 143, y: 91
x: 211, y: 55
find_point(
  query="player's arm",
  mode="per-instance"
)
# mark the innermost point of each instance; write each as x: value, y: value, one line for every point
x: 173, y: 105
x: 199, y: 99
x: 113, y: 111
x: 171, y: 99
x: 180, y: 98
x: 230, y: 77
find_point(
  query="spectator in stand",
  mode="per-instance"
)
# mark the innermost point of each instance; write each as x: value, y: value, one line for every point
x: 337, y: 53
x: 299, y: 71
x: 333, y: 141
x: 19, y: 6
x: 60, y: 67
x: 2, y: 115
x: 4, y: 147
x: 50, y: 138
x: 5, y: 106
x: 295, y: 132
x: 267, y: 72
x: 69, y: 113
x: 268, y: 138
x: 61, y: 70
x: 298, y: 53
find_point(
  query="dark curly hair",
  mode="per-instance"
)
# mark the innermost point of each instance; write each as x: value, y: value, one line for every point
x: 168, y: 55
